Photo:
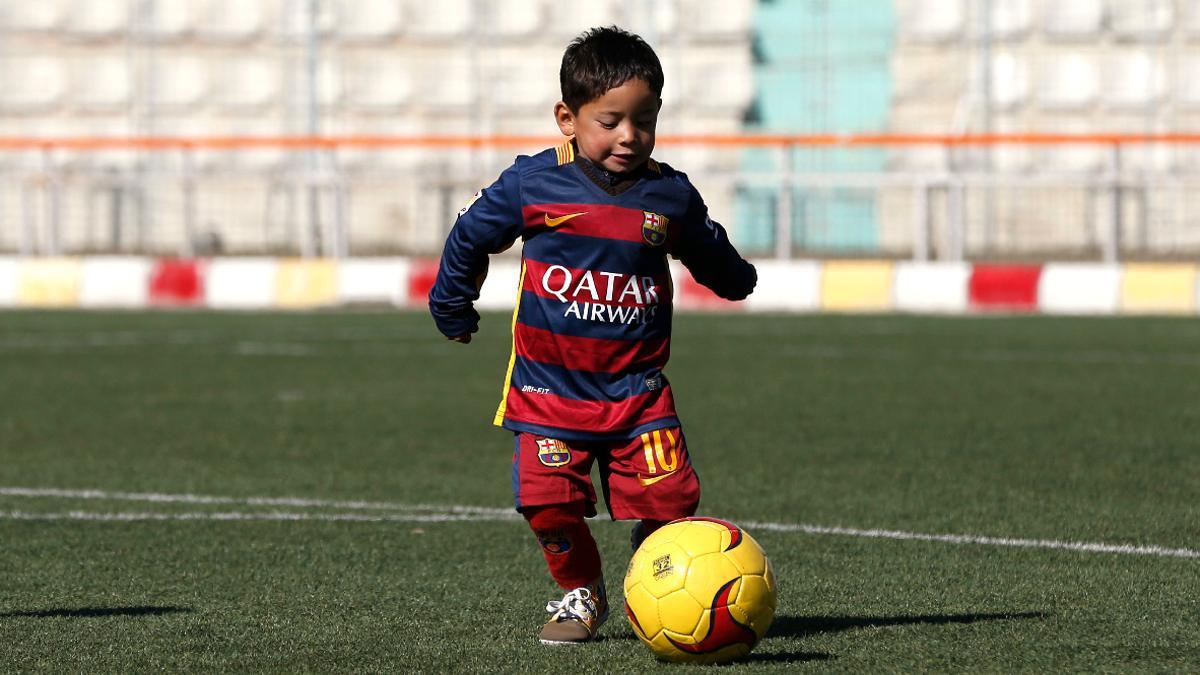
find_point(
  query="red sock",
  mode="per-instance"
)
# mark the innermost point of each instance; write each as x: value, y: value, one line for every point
x: 566, y: 542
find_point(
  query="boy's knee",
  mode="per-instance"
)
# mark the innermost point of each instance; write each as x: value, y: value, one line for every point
x: 554, y: 516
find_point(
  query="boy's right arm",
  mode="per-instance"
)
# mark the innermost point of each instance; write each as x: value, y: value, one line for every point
x: 489, y: 224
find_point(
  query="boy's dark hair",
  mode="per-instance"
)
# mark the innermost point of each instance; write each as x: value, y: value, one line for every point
x: 603, y: 58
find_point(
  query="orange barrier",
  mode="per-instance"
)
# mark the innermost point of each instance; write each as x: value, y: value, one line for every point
x: 462, y: 141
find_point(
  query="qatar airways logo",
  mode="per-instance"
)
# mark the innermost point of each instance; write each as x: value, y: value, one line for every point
x: 610, y: 297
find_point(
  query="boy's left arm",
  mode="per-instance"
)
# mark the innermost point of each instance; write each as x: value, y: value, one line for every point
x: 704, y: 248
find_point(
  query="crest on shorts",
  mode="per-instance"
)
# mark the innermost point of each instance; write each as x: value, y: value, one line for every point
x: 553, y: 452
x: 654, y: 228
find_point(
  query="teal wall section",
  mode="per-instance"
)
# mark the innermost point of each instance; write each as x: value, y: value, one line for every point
x: 821, y: 66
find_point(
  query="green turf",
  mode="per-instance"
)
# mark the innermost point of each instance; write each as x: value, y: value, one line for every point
x: 1038, y: 428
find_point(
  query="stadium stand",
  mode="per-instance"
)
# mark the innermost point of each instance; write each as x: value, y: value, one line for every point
x: 169, y: 20
x: 368, y: 20
x: 33, y: 17
x: 89, y: 20
x: 101, y: 83
x: 933, y: 20
x: 230, y: 21
x: 1075, y: 20
x: 32, y: 84
x: 239, y: 67
x: 1011, y: 19
x: 244, y: 84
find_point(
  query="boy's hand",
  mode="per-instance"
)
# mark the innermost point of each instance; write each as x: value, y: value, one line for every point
x: 465, y: 338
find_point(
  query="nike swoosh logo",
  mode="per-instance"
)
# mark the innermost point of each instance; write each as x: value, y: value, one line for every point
x: 647, y: 482
x: 555, y: 222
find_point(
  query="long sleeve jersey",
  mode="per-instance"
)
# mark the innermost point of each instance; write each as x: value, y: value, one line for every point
x: 592, y: 324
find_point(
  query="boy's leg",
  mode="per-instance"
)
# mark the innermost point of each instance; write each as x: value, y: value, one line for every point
x: 651, y: 479
x: 566, y: 542
x: 554, y: 493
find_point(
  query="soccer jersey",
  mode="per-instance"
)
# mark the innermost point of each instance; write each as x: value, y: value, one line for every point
x: 592, y: 324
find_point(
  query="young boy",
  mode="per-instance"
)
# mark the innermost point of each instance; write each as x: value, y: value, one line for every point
x: 592, y: 327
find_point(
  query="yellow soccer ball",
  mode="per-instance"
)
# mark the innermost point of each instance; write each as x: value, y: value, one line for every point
x: 700, y: 590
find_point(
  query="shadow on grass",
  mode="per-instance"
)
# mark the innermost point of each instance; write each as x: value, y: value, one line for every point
x: 797, y: 627
x: 804, y: 626
x: 88, y: 612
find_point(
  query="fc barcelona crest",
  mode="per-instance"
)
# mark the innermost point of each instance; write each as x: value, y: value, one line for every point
x: 552, y: 452
x: 654, y: 228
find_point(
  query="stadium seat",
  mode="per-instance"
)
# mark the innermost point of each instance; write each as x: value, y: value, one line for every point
x: 1132, y: 80
x: 443, y: 20
x: 230, y: 21
x: 1187, y: 81
x: 447, y: 83
x: 1010, y: 18
x: 179, y: 82
x: 525, y: 87
x: 378, y: 84
x: 1010, y: 80
x: 1073, y: 19
x: 933, y: 20
x: 88, y: 19
x: 31, y: 83
x: 294, y: 19
x: 1067, y: 82
x: 922, y: 75
x: 101, y: 83
x: 1191, y: 19
x: 719, y: 19
x: 515, y: 19
x: 330, y: 83
x: 1145, y: 20
x: 242, y: 83
x: 570, y: 19
x: 368, y: 20
x: 170, y: 19
x: 664, y: 17
x: 724, y: 86
x: 42, y: 16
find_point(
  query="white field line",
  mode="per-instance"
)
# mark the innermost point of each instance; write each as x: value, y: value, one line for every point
x: 135, y: 516
x: 431, y: 513
x: 1088, y: 547
x: 291, y: 502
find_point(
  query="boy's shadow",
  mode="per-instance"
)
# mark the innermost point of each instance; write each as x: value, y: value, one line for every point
x: 804, y: 626
x: 798, y: 627
x: 88, y: 612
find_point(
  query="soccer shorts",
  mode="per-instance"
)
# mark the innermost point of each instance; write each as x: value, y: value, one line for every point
x: 649, y: 476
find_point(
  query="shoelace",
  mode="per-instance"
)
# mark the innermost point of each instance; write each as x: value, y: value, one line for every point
x: 576, y: 604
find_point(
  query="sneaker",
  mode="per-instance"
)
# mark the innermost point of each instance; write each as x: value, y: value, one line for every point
x: 575, y: 619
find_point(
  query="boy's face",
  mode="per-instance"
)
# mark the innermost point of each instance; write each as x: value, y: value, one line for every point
x: 615, y: 130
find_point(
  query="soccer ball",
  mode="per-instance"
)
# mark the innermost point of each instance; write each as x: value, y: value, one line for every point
x: 700, y: 590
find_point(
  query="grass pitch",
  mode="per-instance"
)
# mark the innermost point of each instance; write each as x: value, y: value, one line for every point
x: 1073, y: 430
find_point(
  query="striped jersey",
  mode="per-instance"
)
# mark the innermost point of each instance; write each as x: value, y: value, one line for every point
x: 592, y: 323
